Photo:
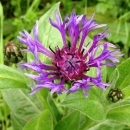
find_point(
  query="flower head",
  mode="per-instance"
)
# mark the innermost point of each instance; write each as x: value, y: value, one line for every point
x: 73, y: 61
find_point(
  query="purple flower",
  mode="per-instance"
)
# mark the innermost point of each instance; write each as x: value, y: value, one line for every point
x: 73, y: 61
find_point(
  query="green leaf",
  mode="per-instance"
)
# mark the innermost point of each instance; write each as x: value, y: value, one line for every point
x: 70, y: 122
x: 89, y: 124
x: 126, y: 92
x: 119, y: 111
x: 43, y: 122
x: 107, y: 125
x: 11, y: 78
x: 113, y: 79
x: 118, y: 104
x: 120, y: 114
x: 86, y: 122
x: 125, y: 81
x: 54, y: 108
x: 17, y: 122
x: 48, y: 103
x: 78, y: 102
x: 22, y: 104
x: 48, y: 34
x: 124, y: 75
x: 42, y: 96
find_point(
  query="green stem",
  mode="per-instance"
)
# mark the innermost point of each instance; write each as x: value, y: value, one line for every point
x: 1, y: 35
x: 33, y: 6
x: 124, y: 16
x: 5, y: 115
x: 85, y: 10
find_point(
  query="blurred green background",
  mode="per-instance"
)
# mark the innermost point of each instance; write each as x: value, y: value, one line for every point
x: 22, y: 14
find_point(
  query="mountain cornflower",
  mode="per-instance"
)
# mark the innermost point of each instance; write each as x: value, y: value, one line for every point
x: 72, y: 62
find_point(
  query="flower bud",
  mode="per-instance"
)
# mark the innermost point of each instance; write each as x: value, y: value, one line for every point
x: 13, y: 53
x: 115, y: 95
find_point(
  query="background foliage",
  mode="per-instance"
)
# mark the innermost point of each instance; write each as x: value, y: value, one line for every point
x: 42, y: 111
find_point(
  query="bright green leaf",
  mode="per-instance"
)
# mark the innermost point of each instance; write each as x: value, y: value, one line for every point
x: 17, y: 123
x: 22, y: 104
x: 42, y: 96
x: 11, y: 78
x: 78, y: 102
x: 43, y: 122
x: 48, y: 35
x: 126, y: 92
x: 120, y: 111
x: 118, y: 104
x: 70, y: 122
x: 120, y: 114
x: 124, y: 74
x: 54, y: 108
x: 107, y: 125
x: 113, y: 79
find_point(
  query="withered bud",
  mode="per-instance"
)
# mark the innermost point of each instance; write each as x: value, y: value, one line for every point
x: 13, y: 53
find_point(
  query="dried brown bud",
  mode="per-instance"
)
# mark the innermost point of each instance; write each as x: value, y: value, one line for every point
x: 13, y: 53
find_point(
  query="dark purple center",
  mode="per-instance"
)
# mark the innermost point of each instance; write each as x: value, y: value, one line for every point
x: 70, y: 64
